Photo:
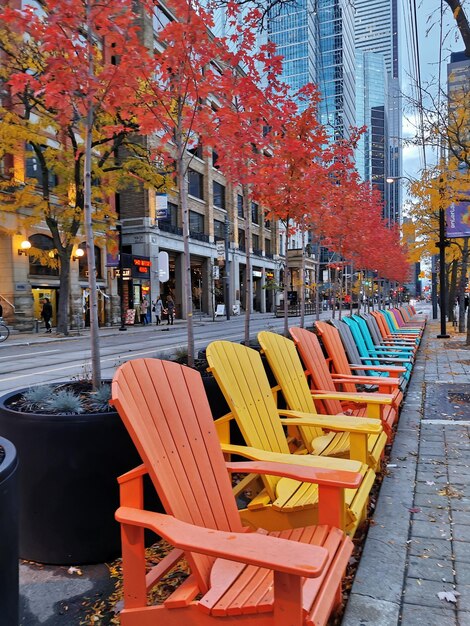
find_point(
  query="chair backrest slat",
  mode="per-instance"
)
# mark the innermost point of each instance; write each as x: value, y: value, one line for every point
x: 241, y: 376
x: 311, y: 353
x: 165, y: 409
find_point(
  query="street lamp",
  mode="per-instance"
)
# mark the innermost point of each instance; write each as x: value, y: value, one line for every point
x: 441, y: 244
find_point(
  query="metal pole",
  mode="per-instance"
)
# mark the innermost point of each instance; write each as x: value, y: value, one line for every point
x: 227, y: 268
x: 442, y: 244
x: 121, y: 281
x: 434, y: 287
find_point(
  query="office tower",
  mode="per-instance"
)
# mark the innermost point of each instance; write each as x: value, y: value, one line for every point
x: 293, y: 28
x: 372, y: 153
x: 376, y: 25
x: 336, y: 65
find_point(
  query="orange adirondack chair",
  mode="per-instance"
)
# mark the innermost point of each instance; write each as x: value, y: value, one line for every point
x: 290, y: 577
x: 311, y: 353
x: 342, y: 370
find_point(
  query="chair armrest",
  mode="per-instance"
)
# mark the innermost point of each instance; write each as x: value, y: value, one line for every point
x: 378, y: 380
x: 280, y: 555
x: 363, y: 398
x: 379, y: 368
x: 319, y: 475
x: 132, y: 474
x: 337, y: 423
x: 385, y: 359
x: 297, y: 460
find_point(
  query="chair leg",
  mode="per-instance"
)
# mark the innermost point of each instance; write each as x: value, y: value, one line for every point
x: 133, y: 566
x: 287, y: 600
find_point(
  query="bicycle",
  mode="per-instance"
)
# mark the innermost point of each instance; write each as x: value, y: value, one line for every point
x: 4, y: 331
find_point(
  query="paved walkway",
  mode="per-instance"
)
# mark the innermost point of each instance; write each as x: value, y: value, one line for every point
x: 419, y: 543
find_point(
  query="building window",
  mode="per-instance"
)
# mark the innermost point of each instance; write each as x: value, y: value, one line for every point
x: 241, y: 239
x: 219, y: 229
x: 215, y: 158
x: 255, y: 240
x: 219, y: 195
x: 83, y: 263
x: 267, y: 246
x: 196, y: 184
x: 254, y: 213
x: 172, y: 216
x: 45, y: 262
x: 197, y: 151
x: 240, y: 206
x: 196, y: 222
x: 33, y: 167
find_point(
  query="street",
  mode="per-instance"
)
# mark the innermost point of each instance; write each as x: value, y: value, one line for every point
x: 27, y: 361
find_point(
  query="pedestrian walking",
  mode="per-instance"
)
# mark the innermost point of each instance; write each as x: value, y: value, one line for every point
x: 157, y: 309
x: 143, y: 311
x: 46, y: 314
x: 170, y: 307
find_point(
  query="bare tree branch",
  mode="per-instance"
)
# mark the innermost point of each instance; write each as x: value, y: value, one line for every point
x: 462, y: 22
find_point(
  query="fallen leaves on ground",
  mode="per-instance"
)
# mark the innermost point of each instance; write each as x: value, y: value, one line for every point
x: 449, y: 596
x: 450, y: 492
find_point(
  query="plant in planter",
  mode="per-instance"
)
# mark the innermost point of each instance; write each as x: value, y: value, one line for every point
x: 72, y: 447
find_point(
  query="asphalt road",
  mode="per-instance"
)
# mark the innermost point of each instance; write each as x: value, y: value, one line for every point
x: 33, y: 359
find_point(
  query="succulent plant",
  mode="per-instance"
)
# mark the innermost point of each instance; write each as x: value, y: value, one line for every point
x: 99, y: 400
x: 64, y: 401
x: 36, y: 398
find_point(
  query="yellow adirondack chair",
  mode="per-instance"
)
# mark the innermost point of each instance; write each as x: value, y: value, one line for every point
x: 287, y: 368
x: 237, y: 577
x: 282, y: 504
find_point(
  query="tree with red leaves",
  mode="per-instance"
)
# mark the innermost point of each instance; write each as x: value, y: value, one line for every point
x: 69, y: 66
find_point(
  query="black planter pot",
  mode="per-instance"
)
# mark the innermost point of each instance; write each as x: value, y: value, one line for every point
x: 68, y: 487
x: 9, y: 591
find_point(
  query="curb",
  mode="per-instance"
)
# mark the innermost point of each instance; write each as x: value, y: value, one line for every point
x: 376, y: 595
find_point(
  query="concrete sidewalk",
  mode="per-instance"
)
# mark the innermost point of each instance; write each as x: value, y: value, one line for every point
x: 418, y: 544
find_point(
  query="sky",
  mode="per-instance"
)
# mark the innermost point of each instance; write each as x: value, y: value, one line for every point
x: 429, y: 36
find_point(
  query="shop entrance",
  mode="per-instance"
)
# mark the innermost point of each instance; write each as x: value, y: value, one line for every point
x: 39, y: 293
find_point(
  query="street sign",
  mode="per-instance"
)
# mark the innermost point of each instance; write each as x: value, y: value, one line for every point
x: 220, y: 247
x: 163, y: 267
x: 161, y: 208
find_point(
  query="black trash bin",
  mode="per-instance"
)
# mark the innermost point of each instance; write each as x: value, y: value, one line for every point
x: 9, y: 586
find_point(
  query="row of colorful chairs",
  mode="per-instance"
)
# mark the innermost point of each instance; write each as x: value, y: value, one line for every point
x: 302, y: 492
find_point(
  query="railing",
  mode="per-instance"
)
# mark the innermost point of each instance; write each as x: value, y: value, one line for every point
x: 199, y: 236
x: 7, y: 301
x: 168, y: 228
x: 257, y: 252
x: 293, y: 310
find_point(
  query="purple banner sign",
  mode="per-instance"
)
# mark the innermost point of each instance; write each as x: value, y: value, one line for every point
x: 458, y: 219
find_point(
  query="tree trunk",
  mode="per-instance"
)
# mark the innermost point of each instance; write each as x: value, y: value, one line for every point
x: 462, y: 23
x: 286, y: 283
x: 64, y: 292
x: 181, y: 172
x: 452, y: 295
x: 462, y: 285
x: 248, y: 277
x: 467, y: 343
x: 88, y: 222
x: 302, y: 284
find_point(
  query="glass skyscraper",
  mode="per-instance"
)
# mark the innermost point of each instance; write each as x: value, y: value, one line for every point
x: 336, y: 65
x: 293, y: 29
x: 372, y: 152
x: 376, y: 28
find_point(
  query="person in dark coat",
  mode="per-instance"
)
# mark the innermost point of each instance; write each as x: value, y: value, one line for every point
x: 170, y: 307
x: 46, y: 314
